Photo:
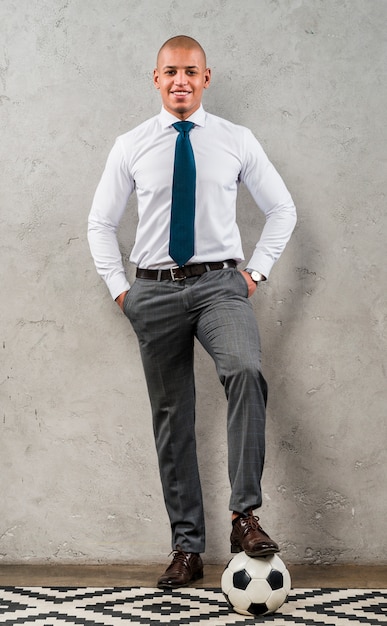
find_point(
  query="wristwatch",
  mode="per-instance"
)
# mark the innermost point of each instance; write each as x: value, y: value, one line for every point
x: 256, y: 276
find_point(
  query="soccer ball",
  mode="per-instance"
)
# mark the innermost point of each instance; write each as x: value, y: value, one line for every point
x: 255, y: 586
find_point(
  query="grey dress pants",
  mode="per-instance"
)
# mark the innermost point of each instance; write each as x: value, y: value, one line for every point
x: 167, y: 316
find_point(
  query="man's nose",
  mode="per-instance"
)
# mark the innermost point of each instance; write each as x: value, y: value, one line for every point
x: 180, y: 77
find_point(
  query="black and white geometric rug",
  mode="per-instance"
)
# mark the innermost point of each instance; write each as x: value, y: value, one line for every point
x: 139, y: 606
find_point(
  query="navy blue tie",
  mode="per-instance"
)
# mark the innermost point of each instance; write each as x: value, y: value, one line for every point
x: 181, y: 240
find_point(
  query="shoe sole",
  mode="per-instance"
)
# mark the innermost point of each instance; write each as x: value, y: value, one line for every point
x: 264, y: 552
x: 197, y: 576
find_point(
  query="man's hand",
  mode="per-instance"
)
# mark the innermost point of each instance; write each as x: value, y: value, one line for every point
x: 252, y: 285
x: 120, y: 300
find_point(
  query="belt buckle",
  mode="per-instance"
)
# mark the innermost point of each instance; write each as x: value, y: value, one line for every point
x: 174, y: 275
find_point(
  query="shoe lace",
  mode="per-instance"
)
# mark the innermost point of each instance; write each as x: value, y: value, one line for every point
x: 179, y: 556
x: 252, y: 522
x: 178, y: 553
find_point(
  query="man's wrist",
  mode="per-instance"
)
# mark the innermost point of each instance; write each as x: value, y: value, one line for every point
x: 256, y: 276
x: 120, y: 299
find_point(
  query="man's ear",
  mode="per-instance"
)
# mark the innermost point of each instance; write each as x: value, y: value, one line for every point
x: 207, y: 78
x: 156, y: 78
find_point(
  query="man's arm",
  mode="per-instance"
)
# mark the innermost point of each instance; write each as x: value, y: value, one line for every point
x: 271, y: 195
x: 109, y: 204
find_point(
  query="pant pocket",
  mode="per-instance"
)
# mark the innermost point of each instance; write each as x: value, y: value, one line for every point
x: 243, y: 288
x: 129, y: 298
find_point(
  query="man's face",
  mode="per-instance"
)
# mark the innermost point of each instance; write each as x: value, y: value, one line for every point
x: 181, y: 76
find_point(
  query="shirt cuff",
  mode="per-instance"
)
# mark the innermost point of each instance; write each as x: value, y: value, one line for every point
x: 117, y: 286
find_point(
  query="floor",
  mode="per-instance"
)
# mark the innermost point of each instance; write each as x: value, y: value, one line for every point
x: 125, y: 595
x: 303, y: 576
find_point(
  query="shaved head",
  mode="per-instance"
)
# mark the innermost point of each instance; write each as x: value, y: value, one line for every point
x: 182, y: 41
x: 181, y: 75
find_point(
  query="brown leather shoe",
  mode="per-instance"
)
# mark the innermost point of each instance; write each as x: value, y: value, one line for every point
x: 184, y: 569
x: 248, y: 536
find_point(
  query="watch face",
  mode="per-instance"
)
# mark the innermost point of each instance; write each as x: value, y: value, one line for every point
x: 256, y: 276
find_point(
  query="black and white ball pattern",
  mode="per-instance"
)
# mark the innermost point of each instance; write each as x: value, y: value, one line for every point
x: 255, y: 586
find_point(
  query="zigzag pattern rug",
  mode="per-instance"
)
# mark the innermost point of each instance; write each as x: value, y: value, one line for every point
x: 139, y: 606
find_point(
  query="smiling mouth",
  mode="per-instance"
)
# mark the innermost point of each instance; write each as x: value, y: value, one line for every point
x: 181, y: 93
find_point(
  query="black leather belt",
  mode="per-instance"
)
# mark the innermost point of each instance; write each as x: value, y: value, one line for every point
x: 180, y: 273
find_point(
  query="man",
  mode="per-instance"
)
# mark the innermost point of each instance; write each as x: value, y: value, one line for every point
x: 196, y: 291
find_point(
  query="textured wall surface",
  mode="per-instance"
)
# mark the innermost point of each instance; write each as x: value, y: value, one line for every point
x: 78, y: 471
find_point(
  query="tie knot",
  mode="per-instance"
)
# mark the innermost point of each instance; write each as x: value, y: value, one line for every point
x: 183, y: 127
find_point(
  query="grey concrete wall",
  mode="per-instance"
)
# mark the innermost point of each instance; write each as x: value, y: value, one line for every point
x: 78, y: 475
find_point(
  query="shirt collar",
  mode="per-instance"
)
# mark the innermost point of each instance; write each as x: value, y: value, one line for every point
x: 198, y: 117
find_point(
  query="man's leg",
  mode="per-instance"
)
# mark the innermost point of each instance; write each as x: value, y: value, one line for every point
x: 156, y: 311
x: 228, y: 330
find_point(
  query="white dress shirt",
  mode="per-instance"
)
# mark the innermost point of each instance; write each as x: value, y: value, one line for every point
x: 225, y: 155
